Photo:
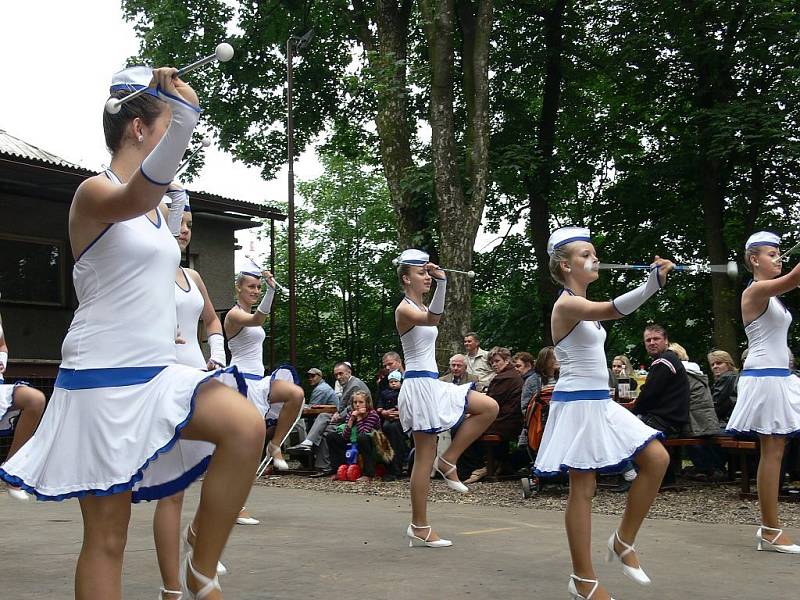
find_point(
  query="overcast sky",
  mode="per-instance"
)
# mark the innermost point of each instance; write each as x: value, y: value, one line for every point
x: 56, y: 62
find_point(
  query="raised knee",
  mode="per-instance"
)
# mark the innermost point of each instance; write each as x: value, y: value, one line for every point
x: 30, y: 400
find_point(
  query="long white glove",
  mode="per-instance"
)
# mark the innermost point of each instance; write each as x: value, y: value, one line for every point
x: 266, y: 301
x: 630, y: 301
x: 179, y: 200
x: 436, y: 306
x: 160, y: 165
x: 216, y: 345
x: 3, y: 359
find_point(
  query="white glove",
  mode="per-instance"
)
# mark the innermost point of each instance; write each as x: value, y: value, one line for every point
x: 630, y: 301
x: 436, y: 306
x: 266, y: 301
x: 216, y: 344
x: 3, y: 360
x: 179, y: 199
x: 160, y: 165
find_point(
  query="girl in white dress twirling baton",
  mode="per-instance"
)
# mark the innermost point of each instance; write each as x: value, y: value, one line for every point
x: 587, y: 432
x: 428, y: 406
x: 769, y: 395
x: 121, y: 402
x: 192, y: 303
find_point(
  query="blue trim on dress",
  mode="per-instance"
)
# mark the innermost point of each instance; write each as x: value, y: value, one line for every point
x: 768, y: 372
x: 576, y: 395
x: 751, y: 432
x: 94, y: 241
x: 454, y: 425
x: 252, y: 376
x: 189, y: 283
x: 12, y: 408
x: 161, y: 92
x: 90, y: 379
x: 615, y: 468
x: 128, y: 485
x: 151, y: 180
x: 421, y: 375
x: 164, y: 490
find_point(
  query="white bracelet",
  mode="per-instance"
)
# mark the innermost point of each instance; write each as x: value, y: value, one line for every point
x: 216, y: 345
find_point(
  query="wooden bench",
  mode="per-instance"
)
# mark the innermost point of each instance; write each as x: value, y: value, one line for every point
x: 737, y: 448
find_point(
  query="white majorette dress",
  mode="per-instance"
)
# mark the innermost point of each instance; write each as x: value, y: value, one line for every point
x: 188, y: 307
x: 426, y: 404
x: 120, y: 399
x: 246, y: 348
x: 586, y: 430
x: 769, y: 395
x: 7, y: 411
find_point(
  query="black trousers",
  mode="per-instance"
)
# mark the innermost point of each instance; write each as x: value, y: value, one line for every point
x: 366, y: 450
x: 393, y: 431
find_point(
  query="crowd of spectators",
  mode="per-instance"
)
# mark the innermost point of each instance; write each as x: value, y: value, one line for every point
x: 675, y: 397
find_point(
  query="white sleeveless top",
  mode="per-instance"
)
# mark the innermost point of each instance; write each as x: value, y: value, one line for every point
x: 582, y: 361
x: 247, y: 350
x: 419, y: 346
x: 767, y: 336
x: 189, y: 306
x: 124, y: 282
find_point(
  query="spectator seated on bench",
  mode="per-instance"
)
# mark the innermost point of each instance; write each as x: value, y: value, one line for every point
x: 359, y: 427
x: 506, y: 389
x: 392, y: 429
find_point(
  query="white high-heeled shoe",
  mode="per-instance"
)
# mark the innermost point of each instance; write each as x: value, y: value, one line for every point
x: 453, y: 484
x: 207, y: 585
x: 279, y: 463
x: 172, y: 594
x: 240, y: 520
x: 635, y: 573
x: 433, y: 544
x: 573, y: 591
x: 188, y: 547
x: 18, y: 494
x: 783, y: 548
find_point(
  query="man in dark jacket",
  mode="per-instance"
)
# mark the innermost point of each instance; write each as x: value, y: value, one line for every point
x: 663, y: 402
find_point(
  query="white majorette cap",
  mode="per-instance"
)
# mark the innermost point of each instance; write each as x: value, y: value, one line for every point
x: 763, y: 238
x: 412, y: 256
x: 132, y: 79
x: 249, y: 267
x: 566, y: 235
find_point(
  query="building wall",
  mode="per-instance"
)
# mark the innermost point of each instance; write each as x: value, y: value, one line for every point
x: 36, y: 332
x: 33, y: 331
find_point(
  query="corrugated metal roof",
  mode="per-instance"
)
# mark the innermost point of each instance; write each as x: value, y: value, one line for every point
x: 17, y: 147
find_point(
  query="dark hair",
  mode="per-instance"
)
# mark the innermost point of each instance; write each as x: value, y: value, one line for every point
x: 658, y: 329
x: 345, y: 364
x: 543, y: 358
x: 473, y: 335
x: 523, y: 357
x: 145, y: 107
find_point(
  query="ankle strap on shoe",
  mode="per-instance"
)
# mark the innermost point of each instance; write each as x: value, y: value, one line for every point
x: 628, y: 547
x: 428, y: 527
x: 179, y: 593
x: 582, y: 580
x: 206, y: 585
x: 770, y: 528
x: 449, y: 464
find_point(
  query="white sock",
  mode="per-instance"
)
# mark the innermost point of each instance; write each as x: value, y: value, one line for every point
x: 630, y: 475
x: 306, y: 443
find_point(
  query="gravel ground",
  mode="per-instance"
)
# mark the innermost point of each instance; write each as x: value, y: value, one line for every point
x: 706, y: 503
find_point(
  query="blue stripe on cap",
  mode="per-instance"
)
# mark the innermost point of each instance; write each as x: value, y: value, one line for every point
x: 572, y: 239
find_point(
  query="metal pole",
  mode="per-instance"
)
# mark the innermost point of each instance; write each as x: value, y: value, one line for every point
x: 290, y: 43
x: 272, y: 311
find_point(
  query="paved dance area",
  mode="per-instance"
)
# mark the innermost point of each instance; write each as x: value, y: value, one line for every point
x: 327, y: 545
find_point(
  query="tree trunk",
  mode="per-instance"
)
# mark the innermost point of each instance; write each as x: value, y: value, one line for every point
x: 712, y: 67
x: 539, y: 186
x: 460, y: 203
x: 387, y: 55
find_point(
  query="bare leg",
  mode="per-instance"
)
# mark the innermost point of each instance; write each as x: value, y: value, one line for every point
x: 292, y: 397
x: 424, y: 454
x: 483, y: 412
x: 105, y: 532
x: 228, y: 420
x: 768, y: 478
x: 653, y: 461
x: 578, y: 521
x: 31, y: 402
x: 167, y: 534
